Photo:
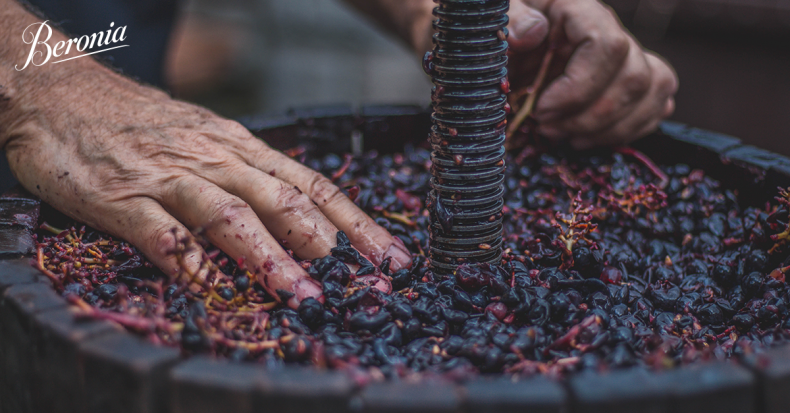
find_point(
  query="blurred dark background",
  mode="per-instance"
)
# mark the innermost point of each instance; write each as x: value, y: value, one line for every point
x: 249, y: 56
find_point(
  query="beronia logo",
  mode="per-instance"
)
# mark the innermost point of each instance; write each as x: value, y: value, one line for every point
x: 37, y: 35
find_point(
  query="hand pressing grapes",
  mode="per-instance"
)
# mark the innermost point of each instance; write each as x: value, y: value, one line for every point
x: 129, y: 160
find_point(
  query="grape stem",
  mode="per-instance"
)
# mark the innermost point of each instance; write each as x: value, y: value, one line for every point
x: 532, y: 92
x: 645, y: 160
x: 343, y: 168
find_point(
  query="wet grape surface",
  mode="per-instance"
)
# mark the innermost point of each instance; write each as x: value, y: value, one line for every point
x: 608, y: 263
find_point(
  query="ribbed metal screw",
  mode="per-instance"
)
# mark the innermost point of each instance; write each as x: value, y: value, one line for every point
x: 468, y: 69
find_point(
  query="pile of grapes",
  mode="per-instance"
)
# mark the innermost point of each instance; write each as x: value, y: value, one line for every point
x: 610, y: 261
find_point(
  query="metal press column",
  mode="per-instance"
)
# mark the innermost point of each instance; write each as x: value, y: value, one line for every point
x: 468, y: 69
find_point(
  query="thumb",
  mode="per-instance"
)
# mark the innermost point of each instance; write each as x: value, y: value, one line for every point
x: 528, y: 27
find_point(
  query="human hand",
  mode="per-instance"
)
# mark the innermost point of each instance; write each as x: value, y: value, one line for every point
x: 129, y: 160
x: 603, y: 87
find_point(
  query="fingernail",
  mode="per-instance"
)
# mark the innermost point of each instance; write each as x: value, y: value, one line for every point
x: 307, y: 288
x: 529, y: 29
x: 399, y: 254
x: 669, y: 108
x: 526, y: 23
x: 377, y: 282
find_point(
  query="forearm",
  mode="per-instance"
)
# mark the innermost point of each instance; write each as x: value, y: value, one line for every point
x: 410, y: 20
x: 34, y: 94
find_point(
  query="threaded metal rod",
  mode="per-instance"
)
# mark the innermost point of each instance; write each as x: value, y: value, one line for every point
x: 468, y: 69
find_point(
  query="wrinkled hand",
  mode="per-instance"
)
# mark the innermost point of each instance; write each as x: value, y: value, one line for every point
x: 128, y: 160
x: 603, y: 87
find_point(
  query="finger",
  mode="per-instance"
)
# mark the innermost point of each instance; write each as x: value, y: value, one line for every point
x: 616, y: 136
x: 553, y: 133
x: 640, y: 123
x: 528, y: 27
x: 647, y: 114
x: 286, y: 212
x: 368, y: 237
x: 601, y: 48
x: 231, y: 225
x: 147, y: 226
x: 617, y: 101
x: 669, y: 109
